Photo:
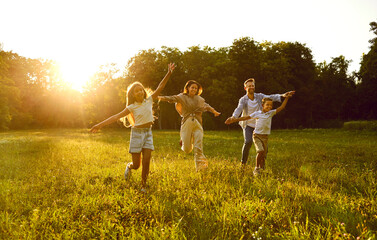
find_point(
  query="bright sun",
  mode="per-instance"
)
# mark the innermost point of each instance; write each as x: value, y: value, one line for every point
x: 76, y: 75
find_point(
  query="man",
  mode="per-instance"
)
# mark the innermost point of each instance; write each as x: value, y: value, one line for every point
x: 249, y: 103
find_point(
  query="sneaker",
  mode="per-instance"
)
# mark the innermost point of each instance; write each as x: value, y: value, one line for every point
x: 243, y: 166
x: 143, y: 190
x: 257, y: 171
x: 201, y: 165
x: 127, y: 173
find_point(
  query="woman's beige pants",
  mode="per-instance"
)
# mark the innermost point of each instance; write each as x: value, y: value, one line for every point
x: 192, y: 138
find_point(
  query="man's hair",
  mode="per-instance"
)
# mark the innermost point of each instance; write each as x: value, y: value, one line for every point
x: 249, y: 80
x: 264, y: 100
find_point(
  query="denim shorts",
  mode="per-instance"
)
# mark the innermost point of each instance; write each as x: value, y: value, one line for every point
x: 141, y: 138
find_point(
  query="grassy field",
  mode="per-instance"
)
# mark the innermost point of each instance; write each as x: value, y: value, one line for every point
x: 68, y: 184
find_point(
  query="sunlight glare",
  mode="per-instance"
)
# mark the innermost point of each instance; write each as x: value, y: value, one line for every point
x: 77, y: 74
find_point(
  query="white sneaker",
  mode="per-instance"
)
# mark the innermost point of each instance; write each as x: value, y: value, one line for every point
x: 257, y: 171
x: 201, y: 165
x: 127, y: 173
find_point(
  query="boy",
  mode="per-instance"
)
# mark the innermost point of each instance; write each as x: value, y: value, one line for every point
x: 249, y: 103
x: 262, y: 129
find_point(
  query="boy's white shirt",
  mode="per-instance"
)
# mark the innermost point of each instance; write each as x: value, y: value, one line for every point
x: 263, y: 121
x: 242, y: 108
x: 142, y: 112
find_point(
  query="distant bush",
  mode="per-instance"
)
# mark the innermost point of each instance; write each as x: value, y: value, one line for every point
x: 361, y: 125
x: 332, y: 123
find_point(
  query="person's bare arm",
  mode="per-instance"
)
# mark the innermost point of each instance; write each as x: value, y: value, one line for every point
x: 110, y: 120
x: 163, y: 82
x: 282, y: 106
x: 233, y: 119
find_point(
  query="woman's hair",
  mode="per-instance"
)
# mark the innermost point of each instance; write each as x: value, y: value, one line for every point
x: 131, y: 100
x: 189, y: 83
x: 264, y: 100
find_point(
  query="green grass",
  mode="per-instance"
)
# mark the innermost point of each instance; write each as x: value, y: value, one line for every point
x: 68, y: 184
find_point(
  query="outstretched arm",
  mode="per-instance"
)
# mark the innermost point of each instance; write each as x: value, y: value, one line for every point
x: 282, y: 106
x: 216, y: 113
x: 162, y: 84
x: 111, y: 119
x: 212, y: 110
x: 288, y: 94
x: 170, y: 99
x: 233, y: 119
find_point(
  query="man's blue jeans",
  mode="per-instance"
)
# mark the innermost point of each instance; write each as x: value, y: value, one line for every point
x: 248, y: 141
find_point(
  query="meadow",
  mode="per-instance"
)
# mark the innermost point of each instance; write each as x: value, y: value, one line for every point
x: 69, y: 184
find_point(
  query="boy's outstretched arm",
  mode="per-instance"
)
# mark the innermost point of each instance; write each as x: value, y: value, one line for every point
x: 282, y: 106
x: 163, y: 82
x: 233, y: 119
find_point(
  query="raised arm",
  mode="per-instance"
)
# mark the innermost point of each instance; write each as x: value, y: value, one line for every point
x: 111, y: 119
x: 162, y: 84
x: 282, y: 106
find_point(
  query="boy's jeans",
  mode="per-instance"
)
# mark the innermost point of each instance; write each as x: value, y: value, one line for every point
x: 248, y: 142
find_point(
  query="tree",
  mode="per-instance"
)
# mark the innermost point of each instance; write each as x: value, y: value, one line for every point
x: 247, y: 56
x: 337, y: 91
x: 103, y: 95
x: 367, y: 89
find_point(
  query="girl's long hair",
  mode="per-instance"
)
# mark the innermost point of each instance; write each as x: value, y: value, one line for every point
x: 131, y: 100
x: 189, y: 83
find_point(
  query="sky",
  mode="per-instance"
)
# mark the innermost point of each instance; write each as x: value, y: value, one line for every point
x: 82, y: 35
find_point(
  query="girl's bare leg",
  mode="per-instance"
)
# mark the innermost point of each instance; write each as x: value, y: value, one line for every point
x: 146, y: 163
x: 136, y: 158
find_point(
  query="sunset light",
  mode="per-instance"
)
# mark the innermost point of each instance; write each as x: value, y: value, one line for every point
x: 76, y: 74
x: 168, y: 119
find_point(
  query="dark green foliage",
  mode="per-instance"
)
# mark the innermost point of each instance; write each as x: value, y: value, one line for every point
x: 32, y: 93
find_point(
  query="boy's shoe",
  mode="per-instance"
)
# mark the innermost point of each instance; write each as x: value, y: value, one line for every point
x: 257, y: 171
x: 127, y: 173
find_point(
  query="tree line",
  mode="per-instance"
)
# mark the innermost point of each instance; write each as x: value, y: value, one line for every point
x: 34, y: 95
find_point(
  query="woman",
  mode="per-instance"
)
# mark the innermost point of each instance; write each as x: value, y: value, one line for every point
x: 190, y: 106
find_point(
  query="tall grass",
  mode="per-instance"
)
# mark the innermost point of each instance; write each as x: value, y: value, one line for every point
x: 68, y: 184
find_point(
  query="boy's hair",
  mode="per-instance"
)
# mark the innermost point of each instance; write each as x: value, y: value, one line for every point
x: 131, y: 99
x: 264, y: 100
x: 189, y: 83
x: 249, y: 80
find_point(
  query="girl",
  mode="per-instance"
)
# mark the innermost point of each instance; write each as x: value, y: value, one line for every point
x: 140, y: 115
x: 190, y: 107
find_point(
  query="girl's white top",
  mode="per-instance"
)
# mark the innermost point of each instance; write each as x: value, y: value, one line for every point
x: 263, y: 123
x: 142, y: 112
